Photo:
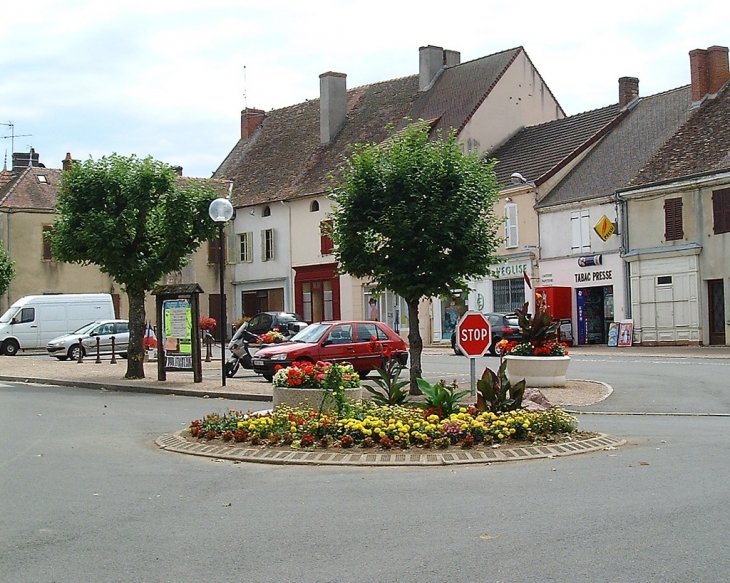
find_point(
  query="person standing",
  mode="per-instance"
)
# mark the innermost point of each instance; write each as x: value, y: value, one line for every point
x: 374, y: 314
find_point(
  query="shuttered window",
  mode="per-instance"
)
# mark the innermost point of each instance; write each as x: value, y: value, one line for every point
x: 246, y: 247
x: 214, y: 249
x: 580, y: 231
x: 325, y: 240
x: 510, y: 226
x: 721, y: 211
x: 267, y: 245
x: 673, y: 219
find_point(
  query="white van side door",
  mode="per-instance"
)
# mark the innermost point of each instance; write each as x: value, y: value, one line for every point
x: 24, y: 327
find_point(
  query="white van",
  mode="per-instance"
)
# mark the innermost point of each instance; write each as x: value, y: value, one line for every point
x: 34, y: 320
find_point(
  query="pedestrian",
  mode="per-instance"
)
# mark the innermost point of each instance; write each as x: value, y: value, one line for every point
x: 374, y: 311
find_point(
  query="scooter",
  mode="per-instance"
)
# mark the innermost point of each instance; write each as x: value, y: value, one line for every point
x: 240, y: 354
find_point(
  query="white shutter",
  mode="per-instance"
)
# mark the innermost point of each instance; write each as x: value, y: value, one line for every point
x: 585, y: 231
x: 510, y: 234
x: 575, y: 231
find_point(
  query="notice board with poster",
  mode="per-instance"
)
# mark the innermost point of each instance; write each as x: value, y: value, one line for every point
x: 626, y: 333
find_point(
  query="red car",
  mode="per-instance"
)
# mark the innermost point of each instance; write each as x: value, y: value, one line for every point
x: 361, y: 343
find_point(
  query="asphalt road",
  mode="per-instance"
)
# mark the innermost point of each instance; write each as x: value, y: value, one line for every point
x: 88, y: 497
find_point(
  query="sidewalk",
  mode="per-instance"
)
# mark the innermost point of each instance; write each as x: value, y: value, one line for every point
x: 42, y: 369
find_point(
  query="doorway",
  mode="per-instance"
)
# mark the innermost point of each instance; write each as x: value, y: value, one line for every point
x: 716, y: 304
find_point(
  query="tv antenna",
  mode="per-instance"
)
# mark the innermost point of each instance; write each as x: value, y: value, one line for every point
x: 12, y: 135
x: 245, y: 105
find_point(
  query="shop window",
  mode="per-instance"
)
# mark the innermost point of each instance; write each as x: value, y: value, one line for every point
x: 721, y: 211
x: 325, y: 240
x: 581, y: 231
x: 673, y: 219
x: 510, y: 226
x: 246, y: 247
x: 46, y: 243
x: 508, y: 294
x: 267, y: 245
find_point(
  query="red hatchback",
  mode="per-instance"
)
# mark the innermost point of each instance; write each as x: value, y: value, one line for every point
x: 362, y: 344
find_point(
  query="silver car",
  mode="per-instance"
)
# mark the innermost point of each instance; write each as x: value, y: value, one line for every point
x: 67, y: 346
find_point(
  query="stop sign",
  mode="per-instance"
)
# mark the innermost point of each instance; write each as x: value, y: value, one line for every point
x: 473, y: 336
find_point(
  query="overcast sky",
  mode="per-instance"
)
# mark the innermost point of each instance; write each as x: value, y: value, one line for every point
x: 169, y: 78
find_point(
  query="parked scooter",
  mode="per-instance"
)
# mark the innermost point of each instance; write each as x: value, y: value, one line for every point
x: 240, y: 346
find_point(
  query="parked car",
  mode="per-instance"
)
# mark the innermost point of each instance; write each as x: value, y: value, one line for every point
x: 361, y: 343
x: 67, y: 346
x: 285, y: 322
x: 500, y: 326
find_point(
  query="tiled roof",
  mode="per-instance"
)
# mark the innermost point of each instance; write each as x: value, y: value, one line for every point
x: 284, y: 158
x: 537, y: 150
x: 461, y: 89
x: 26, y: 191
x: 619, y: 156
x: 702, y: 144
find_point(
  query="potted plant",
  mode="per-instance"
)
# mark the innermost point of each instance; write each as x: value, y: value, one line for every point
x: 320, y: 385
x: 538, y: 357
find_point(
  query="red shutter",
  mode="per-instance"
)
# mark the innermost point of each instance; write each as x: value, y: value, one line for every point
x: 325, y: 240
x: 673, y: 228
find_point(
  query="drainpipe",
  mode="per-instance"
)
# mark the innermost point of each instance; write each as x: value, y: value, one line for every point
x: 622, y: 216
x: 290, y: 301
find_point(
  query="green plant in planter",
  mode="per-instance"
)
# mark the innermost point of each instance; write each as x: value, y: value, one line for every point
x: 441, y: 396
x: 392, y: 388
x: 496, y: 394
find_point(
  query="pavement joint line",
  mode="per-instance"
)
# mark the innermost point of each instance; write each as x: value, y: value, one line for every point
x: 178, y: 444
x: 645, y: 413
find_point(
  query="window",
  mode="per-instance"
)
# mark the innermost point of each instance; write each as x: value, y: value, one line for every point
x: 664, y: 280
x: 508, y: 294
x: 42, y: 179
x: 510, y: 226
x: 25, y: 315
x: 314, y: 207
x: 721, y: 211
x: 673, y: 219
x: 325, y: 240
x: 246, y: 246
x: 214, y: 249
x: 267, y: 245
x: 581, y: 231
x: 266, y: 212
x: 47, y: 249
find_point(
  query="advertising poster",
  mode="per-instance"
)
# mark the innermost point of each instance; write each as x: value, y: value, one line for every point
x: 580, y: 301
x: 178, y: 329
x: 613, y: 334
x: 626, y: 333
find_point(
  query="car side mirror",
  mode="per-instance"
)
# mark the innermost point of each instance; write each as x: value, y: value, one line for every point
x: 327, y: 342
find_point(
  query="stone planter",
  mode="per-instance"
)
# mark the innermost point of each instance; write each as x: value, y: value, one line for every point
x: 312, y: 397
x: 538, y: 371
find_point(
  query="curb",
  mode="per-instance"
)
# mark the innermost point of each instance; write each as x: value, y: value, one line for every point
x: 177, y: 444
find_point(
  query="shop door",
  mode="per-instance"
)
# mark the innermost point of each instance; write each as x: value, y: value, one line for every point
x: 716, y: 297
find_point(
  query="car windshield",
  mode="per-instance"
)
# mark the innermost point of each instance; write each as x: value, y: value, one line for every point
x: 85, y: 329
x: 312, y: 333
x: 9, y: 315
x: 285, y: 318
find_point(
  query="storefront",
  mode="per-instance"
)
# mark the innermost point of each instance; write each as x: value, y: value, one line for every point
x: 597, y: 293
x: 389, y: 308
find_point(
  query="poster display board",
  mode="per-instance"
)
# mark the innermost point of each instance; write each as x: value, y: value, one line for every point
x: 177, y: 334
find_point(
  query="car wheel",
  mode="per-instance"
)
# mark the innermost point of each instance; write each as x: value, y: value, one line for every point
x: 11, y: 347
x: 269, y: 377
x: 73, y: 352
x: 493, y: 346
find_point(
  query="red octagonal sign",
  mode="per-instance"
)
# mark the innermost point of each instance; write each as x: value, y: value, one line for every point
x: 473, y: 336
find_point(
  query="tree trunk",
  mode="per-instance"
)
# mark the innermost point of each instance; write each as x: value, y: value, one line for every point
x: 135, y: 353
x: 415, y: 343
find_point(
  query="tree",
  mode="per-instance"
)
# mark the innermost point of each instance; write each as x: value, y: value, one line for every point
x: 137, y: 221
x: 415, y: 215
x: 7, y: 270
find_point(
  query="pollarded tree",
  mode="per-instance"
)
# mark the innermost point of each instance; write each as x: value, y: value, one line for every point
x: 7, y: 270
x: 137, y: 221
x: 415, y: 216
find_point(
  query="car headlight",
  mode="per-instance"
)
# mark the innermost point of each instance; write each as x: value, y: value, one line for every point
x: 278, y: 357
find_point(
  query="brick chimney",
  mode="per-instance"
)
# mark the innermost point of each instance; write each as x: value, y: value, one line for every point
x: 22, y: 160
x: 628, y: 90
x: 250, y: 120
x: 431, y: 60
x: 332, y: 104
x: 67, y: 162
x: 709, y: 71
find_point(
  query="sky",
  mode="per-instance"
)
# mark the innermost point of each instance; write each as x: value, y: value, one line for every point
x: 168, y: 79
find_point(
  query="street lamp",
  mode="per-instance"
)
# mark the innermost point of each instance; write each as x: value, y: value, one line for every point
x: 221, y: 211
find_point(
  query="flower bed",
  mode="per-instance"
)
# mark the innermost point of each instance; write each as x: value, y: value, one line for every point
x: 369, y: 425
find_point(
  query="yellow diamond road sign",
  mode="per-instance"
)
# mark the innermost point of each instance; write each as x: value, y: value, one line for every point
x: 605, y: 228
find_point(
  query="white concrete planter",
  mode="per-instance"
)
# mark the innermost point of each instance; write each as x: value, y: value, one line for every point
x: 312, y: 397
x: 538, y: 371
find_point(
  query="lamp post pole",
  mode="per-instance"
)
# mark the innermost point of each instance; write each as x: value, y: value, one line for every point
x: 221, y: 211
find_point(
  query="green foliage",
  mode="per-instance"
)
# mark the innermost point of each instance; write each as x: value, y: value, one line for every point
x: 137, y: 221
x: 496, y: 394
x: 7, y: 270
x: 441, y: 396
x: 391, y: 392
x: 412, y: 188
x: 538, y: 328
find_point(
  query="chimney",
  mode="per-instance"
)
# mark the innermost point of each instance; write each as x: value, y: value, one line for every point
x: 452, y: 58
x: 628, y: 90
x: 250, y: 120
x: 67, y: 162
x: 431, y: 60
x: 178, y: 170
x: 332, y: 104
x: 709, y: 71
x: 23, y: 160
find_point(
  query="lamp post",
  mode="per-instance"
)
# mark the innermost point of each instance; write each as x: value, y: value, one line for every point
x: 221, y: 211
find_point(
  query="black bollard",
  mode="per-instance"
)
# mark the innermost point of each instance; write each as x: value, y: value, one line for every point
x: 208, y: 339
x: 81, y: 352
x: 98, y: 350
x: 114, y: 351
